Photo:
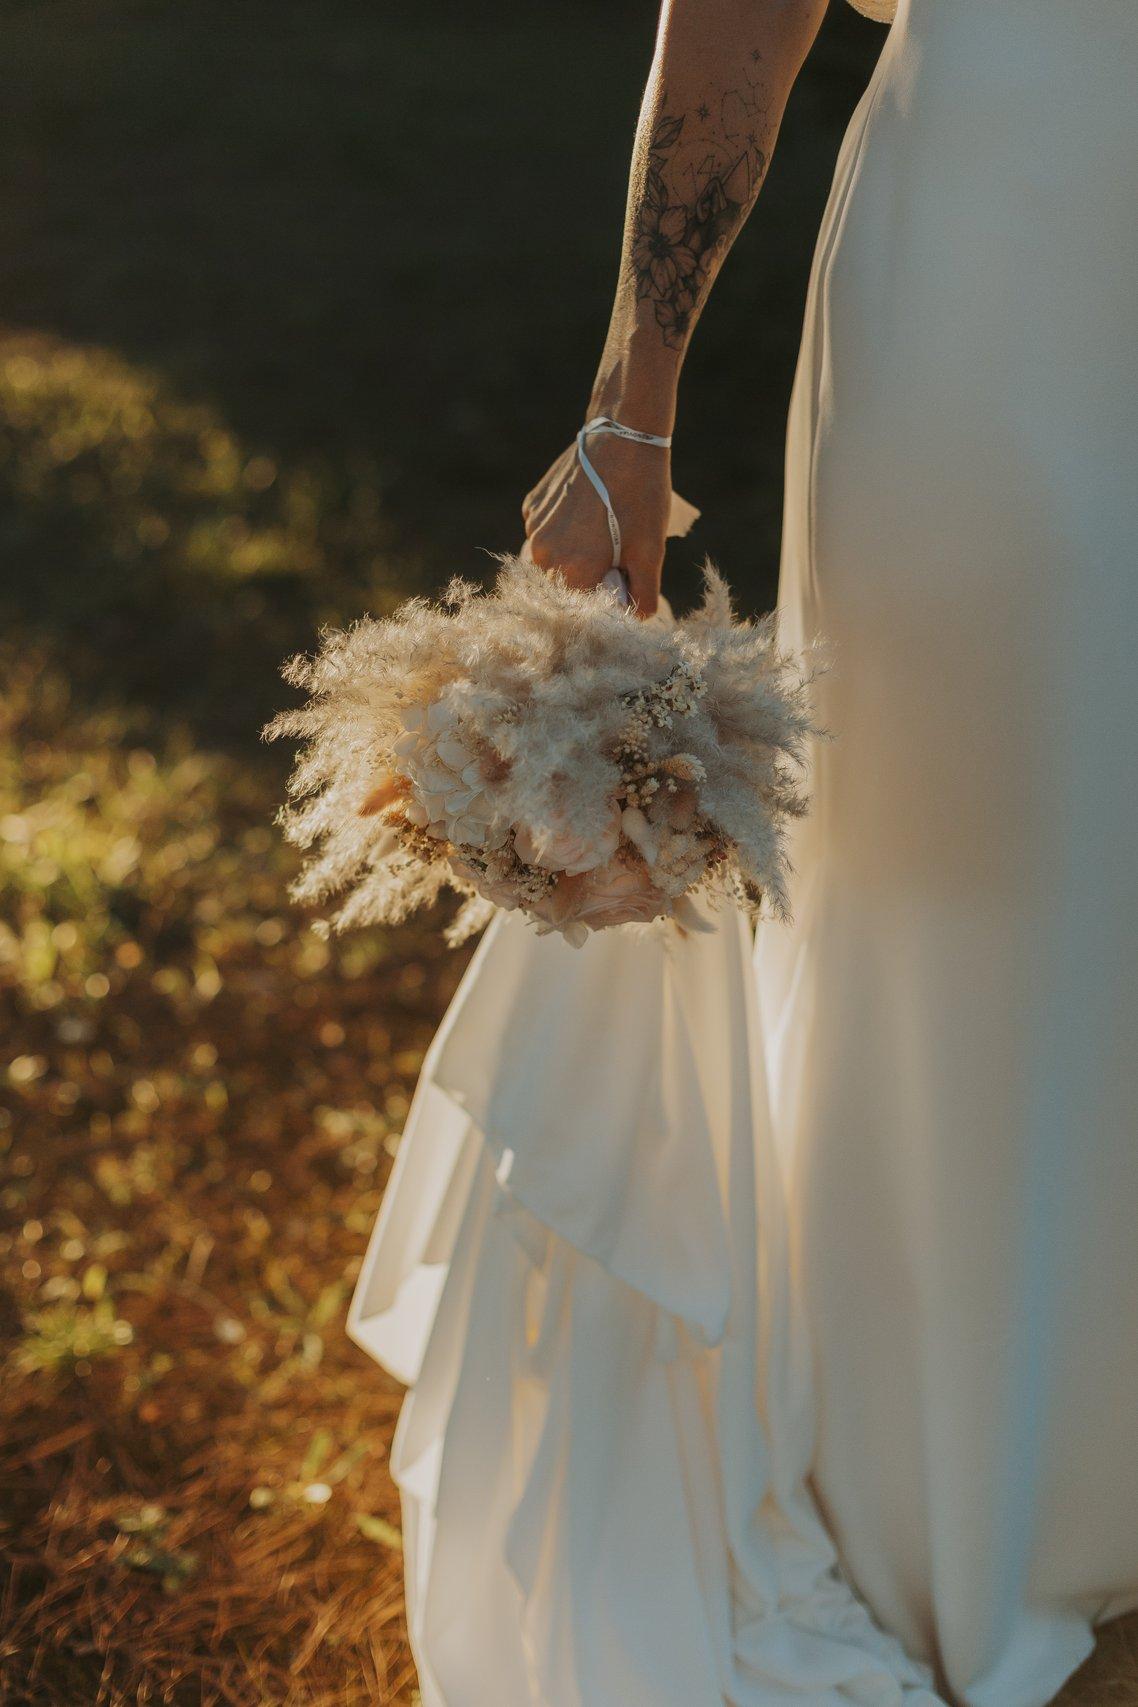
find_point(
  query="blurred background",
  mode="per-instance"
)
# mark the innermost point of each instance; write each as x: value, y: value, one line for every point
x: 296, y: 301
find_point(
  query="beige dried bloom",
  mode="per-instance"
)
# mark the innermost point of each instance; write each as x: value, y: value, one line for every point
x: 538, y: 748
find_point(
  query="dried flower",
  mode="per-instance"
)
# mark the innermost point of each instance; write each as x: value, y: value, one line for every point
x: 541, y: 749
x: 621, y: 893
x: 562, y: 848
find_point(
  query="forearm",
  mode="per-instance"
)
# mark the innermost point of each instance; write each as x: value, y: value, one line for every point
x: 719, y: 83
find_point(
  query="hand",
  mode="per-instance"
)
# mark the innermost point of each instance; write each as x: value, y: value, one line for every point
x: 566, y: 528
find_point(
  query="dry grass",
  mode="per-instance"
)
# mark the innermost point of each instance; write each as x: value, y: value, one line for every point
x: 199, y: 1111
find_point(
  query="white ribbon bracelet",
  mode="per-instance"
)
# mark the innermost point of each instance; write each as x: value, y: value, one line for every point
x: 606, y: 424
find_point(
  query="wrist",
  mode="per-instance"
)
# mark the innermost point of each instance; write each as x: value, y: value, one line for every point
x: 638, y: 386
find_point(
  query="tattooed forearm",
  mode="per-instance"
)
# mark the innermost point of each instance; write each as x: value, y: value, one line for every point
x: 721, y: 75
x: 699, y: 181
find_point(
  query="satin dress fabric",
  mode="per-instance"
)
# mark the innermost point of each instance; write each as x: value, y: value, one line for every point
x: 769, y: 1312
x: 951, y: 1021
x: 581, y: 1269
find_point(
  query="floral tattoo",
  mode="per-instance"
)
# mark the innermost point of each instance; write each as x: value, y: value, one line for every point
x: 696, y: 193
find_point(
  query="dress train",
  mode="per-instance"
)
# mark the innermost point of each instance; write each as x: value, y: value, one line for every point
x: 581, y: 1270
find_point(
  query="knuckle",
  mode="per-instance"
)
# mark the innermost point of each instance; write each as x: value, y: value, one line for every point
x: 642, y: 566
x: 578, y: 575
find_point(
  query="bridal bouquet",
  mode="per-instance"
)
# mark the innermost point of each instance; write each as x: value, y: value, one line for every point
x: 539, y: 748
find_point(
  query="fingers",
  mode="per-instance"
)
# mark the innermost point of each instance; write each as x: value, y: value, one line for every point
x: 540, y: 497
x: 585, y: 569
x: 565, y: 526
x: 539, y: 551
x: 644, y: 585
x: 575, y: 569
x: 584, y: 577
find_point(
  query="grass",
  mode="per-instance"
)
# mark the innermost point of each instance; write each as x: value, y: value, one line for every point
x: 169, y: 562
x: 195, y: 1131
x: 297, y: 303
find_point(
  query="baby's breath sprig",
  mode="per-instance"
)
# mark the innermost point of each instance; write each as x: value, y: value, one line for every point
x: 416, y: 843
x: 532, y: 883
x: 676, y: 696
x: 639, y: 782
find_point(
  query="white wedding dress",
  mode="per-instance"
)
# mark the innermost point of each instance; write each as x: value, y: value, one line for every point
x: 668, y: 1231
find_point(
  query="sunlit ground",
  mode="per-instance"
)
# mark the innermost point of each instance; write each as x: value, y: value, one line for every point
x: 199, y: 1111
x: 251, y: 383
x: 200, y: 1098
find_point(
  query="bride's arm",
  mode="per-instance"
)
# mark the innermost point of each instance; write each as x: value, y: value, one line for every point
x: 719, y: 82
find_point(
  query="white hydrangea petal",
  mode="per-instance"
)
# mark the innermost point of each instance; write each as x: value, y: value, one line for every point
x: 467, y: 831
x: 452, y: 751
x: 435, y: 805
